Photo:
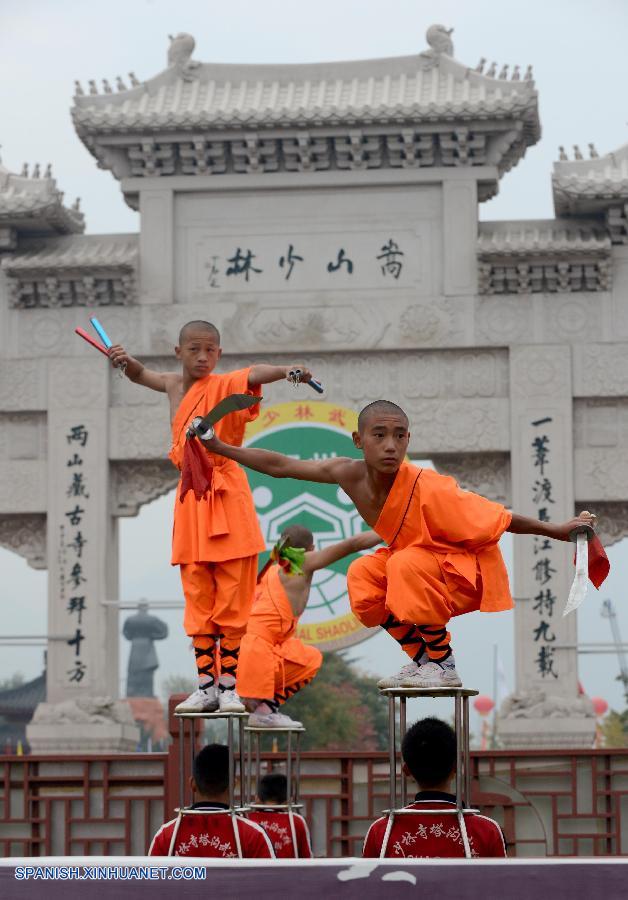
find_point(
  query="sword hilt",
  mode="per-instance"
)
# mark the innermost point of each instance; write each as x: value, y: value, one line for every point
x: 295, y: 377
x: 194, y: 430
x: 582, y: 529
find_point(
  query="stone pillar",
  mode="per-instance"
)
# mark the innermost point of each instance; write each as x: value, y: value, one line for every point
x: 157, y: 245
x: 82, y: 666
x: 545, y: 710
x: 460, y: 230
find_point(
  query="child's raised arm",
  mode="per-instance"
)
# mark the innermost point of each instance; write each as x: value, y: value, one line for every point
x: 136, y: 371
x: 320, y: 559
x: 265, y: 374
x: 327, y: 471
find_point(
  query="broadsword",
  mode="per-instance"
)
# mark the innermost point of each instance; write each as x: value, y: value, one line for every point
x: 203, y: 427
x: 581, y: 537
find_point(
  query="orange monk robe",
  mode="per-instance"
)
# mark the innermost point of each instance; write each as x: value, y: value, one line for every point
x: 442, y: 558
x: 222, y: 525
x: 272, y: 661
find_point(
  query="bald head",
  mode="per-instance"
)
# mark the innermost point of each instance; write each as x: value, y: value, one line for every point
x: 194, y: 327
x: 379, y: 407
x: 298, y: 536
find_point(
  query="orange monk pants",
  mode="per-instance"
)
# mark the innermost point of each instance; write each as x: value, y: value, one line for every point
x: 218, y: 596
x: 270, y: 671
x: 411, y: 585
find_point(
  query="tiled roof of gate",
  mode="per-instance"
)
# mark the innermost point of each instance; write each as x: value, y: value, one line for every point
x: 36, y: 201
x: 601, y: 179
x: 539, y: 237
x: 96, y: 251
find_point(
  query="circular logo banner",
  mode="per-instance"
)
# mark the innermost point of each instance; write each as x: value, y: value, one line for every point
x: 311, y: 430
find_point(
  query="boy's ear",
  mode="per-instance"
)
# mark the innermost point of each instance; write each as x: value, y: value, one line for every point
x: 193, y: 785
x: 177, y: 352
x: 406, y: 770
x: 357, y: 439
x: 219, y: 354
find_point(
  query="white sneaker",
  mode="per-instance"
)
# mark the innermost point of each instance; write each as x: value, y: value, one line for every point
x: 200, y: 701
x: 400, y: 679
x: 273, y: 720
x: 434, y: 675
x: 229, y: 701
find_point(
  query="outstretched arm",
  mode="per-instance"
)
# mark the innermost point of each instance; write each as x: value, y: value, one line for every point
x: 525, y: 525
x: 263, y: 374
x: 320, y: 559
x: 136, y: 371
x: 327, y: 471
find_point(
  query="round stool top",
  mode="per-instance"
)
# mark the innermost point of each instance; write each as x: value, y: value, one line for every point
x: 429, y: 692
x: 211, y: 715
x: 256, y: 729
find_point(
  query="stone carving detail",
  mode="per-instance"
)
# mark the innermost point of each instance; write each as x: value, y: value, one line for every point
x: 601, y: 370
x: 308, y: 327
x: 135, y: 483
x: 483, y: 473
x: 612, y: 522
x: 23, y: 486
x: 75, y: 385
x: 573, y: 318
x: 507, y: 319
x: 84, y: 711
x: 439, y: 426
x: 530, y: 277
x: 139, y: 433
x: 22, y: 384
x: 602, y: 473
x: 257, y: 153
x: 541, y: 372
x: 430, y: 323
x: 118, y: 289
x: 26, y: 535
x: 617, y: 221
x: 537, y: 704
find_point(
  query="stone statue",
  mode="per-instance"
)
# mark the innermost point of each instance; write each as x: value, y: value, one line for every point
x: 142, y: 630
x: 180, y: 55
x: 439, y: 39
x: 537, y: 704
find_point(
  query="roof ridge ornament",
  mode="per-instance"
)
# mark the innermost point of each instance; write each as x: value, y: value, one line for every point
x: 180, y: 55
x: 440, y: 43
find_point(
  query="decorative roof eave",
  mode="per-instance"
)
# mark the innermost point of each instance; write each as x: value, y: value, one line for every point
x: 20, y: 702
x: 74, y: 254
x: 591, y: 186
x: 36, y: 205
x: 542, y: 238
x: 190, y: 103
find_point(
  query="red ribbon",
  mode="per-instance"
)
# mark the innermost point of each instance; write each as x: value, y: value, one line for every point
x: 599, y: 566
x: 196, y: 471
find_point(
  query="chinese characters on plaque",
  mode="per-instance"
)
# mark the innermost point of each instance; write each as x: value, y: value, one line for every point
x: 74, y: 585
x: 245, y: 264
x: 544, y: 565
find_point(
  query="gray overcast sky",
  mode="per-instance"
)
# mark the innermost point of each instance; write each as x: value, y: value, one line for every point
x: 580, y: 64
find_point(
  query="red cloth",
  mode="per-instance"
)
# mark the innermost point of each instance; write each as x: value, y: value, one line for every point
x: 196, y: 472
x: 277, y: 827
x: 599, y: 566
x: 212, y: 835
x: 431, y: 836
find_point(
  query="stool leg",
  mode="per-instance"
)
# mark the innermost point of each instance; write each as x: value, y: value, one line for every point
x: 181, y: 764
x: 192, y: 753
x: 249, y: 768
x: 258, y: 761
x: 297, y: 767
x: 402, y: 734
x: 231, y: 763
x: 465, y: 750
x: 242, y: 765
x: 459, y: 739
x: 392, y: 752
x: 289, y: 764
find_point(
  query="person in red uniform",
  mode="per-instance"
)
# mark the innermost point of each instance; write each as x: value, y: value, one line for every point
x: 218, y: 832
x: 428, y: 751
x: 287, y: 830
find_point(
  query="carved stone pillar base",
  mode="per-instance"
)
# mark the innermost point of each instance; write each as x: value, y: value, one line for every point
x: 536, y: 720
x: 87, y: 725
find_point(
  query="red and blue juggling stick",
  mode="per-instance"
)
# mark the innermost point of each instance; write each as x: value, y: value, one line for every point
x: 90, y: 340
x: 102, y: 334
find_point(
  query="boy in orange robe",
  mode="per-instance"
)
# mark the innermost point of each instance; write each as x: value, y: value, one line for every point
x: 442, y: 558
x: 216, y: 538
x: 274, y: 664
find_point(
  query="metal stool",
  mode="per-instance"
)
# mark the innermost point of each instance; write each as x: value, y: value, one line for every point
x: 293, y: 767
x: 293, y: 772
x: 231, y: 717
x: 463, y: 765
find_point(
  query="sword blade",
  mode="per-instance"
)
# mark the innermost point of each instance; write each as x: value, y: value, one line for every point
x: 581, y: 578
x: 232, y: 403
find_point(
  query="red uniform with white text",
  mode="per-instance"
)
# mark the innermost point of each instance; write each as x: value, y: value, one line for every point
x: 431, y: 836
x: 276, y: 824
x: 212, y: 835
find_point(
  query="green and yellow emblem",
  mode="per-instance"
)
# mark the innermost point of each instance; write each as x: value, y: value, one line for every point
x: 311, y: 430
